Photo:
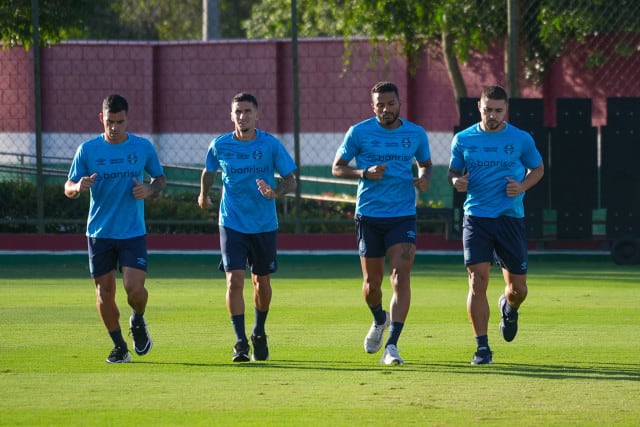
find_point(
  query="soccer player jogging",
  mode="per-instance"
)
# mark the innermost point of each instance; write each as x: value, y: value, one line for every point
x: 111, y: 167
x: 384, y: 148
x: 494, y: 163
x: 248, y: 158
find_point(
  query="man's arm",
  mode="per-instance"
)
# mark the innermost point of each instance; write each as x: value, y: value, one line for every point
x: 457, y: 180
x: 425, y: 171
x: 206, y: 182
x: 157, y: 184
x: 287, y: 184
x: 532, y: 177
x: 72, y: 189
x: 341, y: 169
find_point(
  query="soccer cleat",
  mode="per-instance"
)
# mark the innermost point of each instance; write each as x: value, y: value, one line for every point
x: 260, y: 347
x: 391, y: 356
x: 119, y: 355
x: 483, y: 356
x: 141, y: 340
x: 508, y: 324
x: 241, y: 352
x: 373, y: 340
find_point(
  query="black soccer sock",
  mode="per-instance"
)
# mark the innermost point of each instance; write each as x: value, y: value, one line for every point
x: 379, y: 314
x: 118, y: 340
x: 483, y: 342
x: 261, y: 318
x: 138, y: 318
x: 394, y: 333
x: 238, y: 326
x: 508, y: 310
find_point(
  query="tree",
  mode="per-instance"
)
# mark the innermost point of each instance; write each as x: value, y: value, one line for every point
x: 407, y: 26
x: 159, y: 19
x: 232, y: 14
x: 57, y: 18
x: 272, y: 19
x: 454, y: 26
x: 114, y: 20
x: 552, y: 25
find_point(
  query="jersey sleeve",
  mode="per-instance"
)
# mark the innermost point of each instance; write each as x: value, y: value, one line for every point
x: 348, y: 149
x: 531, y: 157
x: 153, y: 165
x: 424, y: 152
x: 211, y: 163
x: 457, y: 159
x: 78, y: 168
x: 284, y: 164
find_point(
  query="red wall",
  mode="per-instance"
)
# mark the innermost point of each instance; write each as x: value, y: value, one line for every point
x: 186, y: 87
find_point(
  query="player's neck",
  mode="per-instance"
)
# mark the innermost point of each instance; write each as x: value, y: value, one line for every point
x: 120, y: 140
x: 500, y: 127
x: 245, y: 135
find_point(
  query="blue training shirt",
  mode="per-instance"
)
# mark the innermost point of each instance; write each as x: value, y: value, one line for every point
x: 371, y: 144
x: 491, y: 157
x: 242, y: 207
x: 113, y: 211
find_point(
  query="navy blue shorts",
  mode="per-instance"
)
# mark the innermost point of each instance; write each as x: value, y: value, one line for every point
x: 108, y: 254
x: 502, y: 239
x: 376, y: 235
x: 255, y: 251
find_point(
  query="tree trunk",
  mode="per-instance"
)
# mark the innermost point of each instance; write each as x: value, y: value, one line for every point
x: 453, y: 70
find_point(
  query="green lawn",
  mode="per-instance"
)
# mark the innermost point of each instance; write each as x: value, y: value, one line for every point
x: 576, y: 360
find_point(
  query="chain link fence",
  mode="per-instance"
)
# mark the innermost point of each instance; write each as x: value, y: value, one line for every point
x: 580, y: 49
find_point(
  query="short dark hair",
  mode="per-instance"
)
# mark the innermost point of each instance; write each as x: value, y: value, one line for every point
x: 383, y: 87
x: 496, y: 93
x: 115, y: 103
x: 245, y: 97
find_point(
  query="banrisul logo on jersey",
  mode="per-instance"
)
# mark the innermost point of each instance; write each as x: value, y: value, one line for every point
x: 249, y: 169
x: 476, y: 164
x: 119, y: 174
x: 389, y: 157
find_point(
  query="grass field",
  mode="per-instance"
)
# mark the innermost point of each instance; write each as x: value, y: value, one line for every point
x: 576, y: 360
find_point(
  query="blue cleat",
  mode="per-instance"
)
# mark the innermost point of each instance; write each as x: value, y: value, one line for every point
x: 484, y: 356
x: 508, y: 324
x: 260, y: 348
x: 141, y: 340
x: 241, y: 352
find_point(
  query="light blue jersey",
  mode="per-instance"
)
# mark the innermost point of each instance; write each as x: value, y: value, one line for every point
x: 491, y: 158
x: 113, y: 211
x: 371, y: 144
x: 242, y: 207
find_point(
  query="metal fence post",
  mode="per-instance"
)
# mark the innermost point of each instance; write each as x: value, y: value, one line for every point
x: 37, y: 105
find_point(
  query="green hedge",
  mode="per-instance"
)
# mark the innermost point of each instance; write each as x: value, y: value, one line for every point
x: 171, y: 212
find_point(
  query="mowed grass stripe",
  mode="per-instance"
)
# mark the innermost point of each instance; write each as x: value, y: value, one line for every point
x: 575, y: 360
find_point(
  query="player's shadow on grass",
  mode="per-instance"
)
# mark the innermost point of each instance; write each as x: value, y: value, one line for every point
x: 600, y: 371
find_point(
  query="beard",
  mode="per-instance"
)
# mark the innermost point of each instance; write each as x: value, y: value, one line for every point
x: 390, y: 118
x: 493, y: 124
